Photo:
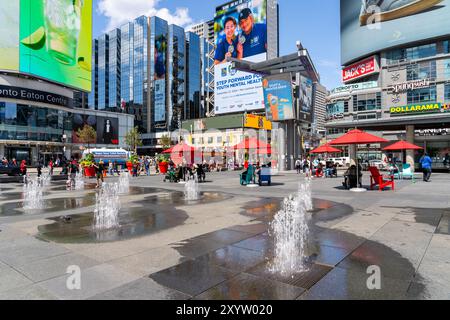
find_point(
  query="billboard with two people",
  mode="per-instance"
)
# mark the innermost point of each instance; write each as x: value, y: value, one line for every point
x: 369, y: 26
x: 50, y: 39
x: 241, y: 33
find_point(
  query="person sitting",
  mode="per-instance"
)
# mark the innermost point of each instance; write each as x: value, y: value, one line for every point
x: 351, y: 179
x: 319, y: 170
x: 331, y: 170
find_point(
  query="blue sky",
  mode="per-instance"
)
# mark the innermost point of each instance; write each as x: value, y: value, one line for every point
x: 315, y: 23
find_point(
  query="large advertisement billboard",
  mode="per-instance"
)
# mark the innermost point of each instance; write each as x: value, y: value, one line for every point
x: 368, y: 27
x: 107, y: 129
x: 50, y: 39
x: 9, y: 35
x: 160, y: 78
x: 278, y: 98
x: 241, y: 33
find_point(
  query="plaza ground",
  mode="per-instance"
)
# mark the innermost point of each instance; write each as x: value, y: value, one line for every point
x: 221, y: 247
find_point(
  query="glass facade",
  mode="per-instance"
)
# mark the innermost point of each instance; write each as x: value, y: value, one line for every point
x: 126, y: 59
x: 193, y: 79
x: 153, y: 71
x: 140, y: 80
x: 176, y: 58
x: 447, y: 93
x: 367, y: 102
x: 103, y: 70
x: 114, y: 74
x: 413, y: 53
x: 423, y: 95
x: 31, y: 123
x: 93, y: 95
x: 422, y: 70
x: 207, y: 76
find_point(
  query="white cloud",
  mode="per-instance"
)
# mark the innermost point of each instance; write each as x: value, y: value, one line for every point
x: 119, y: 12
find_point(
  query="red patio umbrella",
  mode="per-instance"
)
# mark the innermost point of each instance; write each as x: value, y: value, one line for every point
x: 402, y: 145
x: 326, y: 149
x: 252, y: 144
x: 356, y: 137
x: 180, y: 151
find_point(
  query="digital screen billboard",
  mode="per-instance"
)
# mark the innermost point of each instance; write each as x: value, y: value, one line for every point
x: 278, y: 98
x: 306, y: 95
x: 9, y: 35
x: 160, y: 78
x: 50, y: 39
x: 107, y: 129
x: 367, y: 28
x: 241, y: 33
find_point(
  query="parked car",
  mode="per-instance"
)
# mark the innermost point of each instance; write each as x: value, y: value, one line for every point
x: 377, y: 163
x: 341, y: 162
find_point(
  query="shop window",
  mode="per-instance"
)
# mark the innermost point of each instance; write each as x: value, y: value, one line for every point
x: 422, y: 70
x: 447, y: 93
x: 424, y: 95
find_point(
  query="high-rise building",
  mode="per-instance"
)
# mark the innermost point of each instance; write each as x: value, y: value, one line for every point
x: 204, y: 30
x: 319, y: 106
x: 396, y: 85
x: 154, y: 71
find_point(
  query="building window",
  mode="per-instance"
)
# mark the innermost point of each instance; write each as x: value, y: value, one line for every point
x: 193, y: 141
x: 210, y: 140
x: 419, y: 52
x: 422, y: 70
x: 447, y: 46
x: 423, y: 95
x: 367, y: 102
x: 219, y: 139
x: 447, y: 93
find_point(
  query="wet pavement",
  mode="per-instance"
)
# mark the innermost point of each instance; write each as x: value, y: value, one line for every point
x: 221, y: 246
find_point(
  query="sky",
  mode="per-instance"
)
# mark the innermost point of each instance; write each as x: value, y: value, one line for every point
x: 315, y: 23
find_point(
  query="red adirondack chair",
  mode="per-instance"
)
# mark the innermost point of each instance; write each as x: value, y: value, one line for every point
x: 378, y: 179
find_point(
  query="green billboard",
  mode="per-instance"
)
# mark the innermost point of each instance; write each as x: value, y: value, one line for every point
x: 50, y: 39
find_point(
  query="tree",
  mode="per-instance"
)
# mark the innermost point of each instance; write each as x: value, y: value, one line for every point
x: 87, y: 135
x: 133, y: 139
x: 166, y: 142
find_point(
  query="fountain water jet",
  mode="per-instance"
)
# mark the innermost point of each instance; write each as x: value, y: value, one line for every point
x: 45, y: 180
x: 32, y: 193
x: 290, y: 231
x: 107, y: 207
x: 124, y: 183
x: 191, y: 192
x: 79, y: 181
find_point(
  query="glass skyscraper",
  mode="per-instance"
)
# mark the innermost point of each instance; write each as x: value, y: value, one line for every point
x: 152, y: 70
x: 194, y: 76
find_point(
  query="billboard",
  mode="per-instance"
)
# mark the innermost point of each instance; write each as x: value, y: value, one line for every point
x: 9, y: 35
x: 241, y: 32
x: 50, y: 39
x: 257, y: 122
x: 361, y: 69
x: 278, y: 98
x: 160, y: 77
x: 306, y: 95
x: 367, y: 28
x: 107, y: 129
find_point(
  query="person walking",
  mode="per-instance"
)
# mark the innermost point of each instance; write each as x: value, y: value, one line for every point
x: 99, y: 169
x: 298, y: 166
x: 426, y: 163
x: 50, y: 164
x: 23, y: 168
x: 111, y: 168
